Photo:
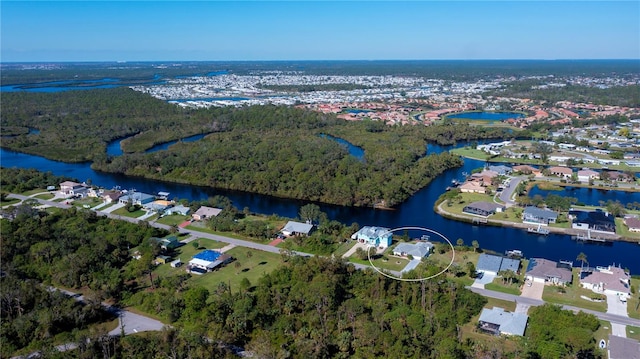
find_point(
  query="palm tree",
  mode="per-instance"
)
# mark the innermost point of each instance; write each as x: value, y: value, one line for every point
x: 582, y: 258
x: 475, y: 245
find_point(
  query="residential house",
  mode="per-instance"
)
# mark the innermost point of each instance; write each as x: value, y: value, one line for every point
x: 546, y: 271
x: 158, y: 206
x: 563, y: 172
x: 293, y: 228
x: 111, y: 196
x: 373, y: 236
x: 526, y: 169
x: 623, y: 348
x: 632, y: 223
x: 205, y: 212
x: 168, y: 243
x: 597, y: 221
x: 535, y: 215
x: 70, y: 188
x: 472, y: 187
x: 483, y: 209
x: 137, y: 198
x: 179, y: 209
x: 585, y: 175
x: 417, y: 250
x: 491, y: 264
x: 206, y: 261
x: 501, y: 170
x: 608, y: 280
x: 619, y: 176
x: 162, y: 259
x: 497, y: 321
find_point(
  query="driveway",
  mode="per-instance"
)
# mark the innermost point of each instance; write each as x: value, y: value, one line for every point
x: 354, y: 248
x: 486, y: 278
x: 615, y: 306
x: 411, y: 265
x: 113, y: 208
x: 534, y: 291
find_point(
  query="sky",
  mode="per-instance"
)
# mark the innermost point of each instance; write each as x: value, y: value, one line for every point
x: 50, y: 31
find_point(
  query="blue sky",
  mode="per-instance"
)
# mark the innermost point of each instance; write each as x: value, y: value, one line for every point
x: 323, y: 30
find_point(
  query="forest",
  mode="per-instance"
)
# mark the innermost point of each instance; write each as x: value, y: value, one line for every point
x: 273, y: 150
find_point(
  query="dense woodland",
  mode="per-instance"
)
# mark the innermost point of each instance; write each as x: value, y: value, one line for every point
x: 272, y: 150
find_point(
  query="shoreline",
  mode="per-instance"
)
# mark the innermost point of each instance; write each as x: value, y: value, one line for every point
x: 609, y: 238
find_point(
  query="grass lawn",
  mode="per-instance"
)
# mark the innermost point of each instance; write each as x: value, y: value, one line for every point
x: 503, y: 343
x: 572, y: 296
x: 498, y: 286
x: 87, y: 201
x: 471, y: 153
x: 9, y: 201
x: 184, y: 253
x: 123, y: 212
x: 633, y: 332
x: 173, y: 219
x: 45, y: 196
x: 622, y: 230
x: 199, y: 226
x: 603, y: 331
x: 458, y: 205
x: 504, y: 304
x: 390, y: 263
x: 633, y: 303
x: 33, y: 191
x: 252, y: 266
x: 344, y: 248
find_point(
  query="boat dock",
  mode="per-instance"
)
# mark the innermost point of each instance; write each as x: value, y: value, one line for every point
x: 538, y: 230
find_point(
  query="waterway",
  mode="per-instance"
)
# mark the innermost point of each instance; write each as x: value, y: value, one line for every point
x: 354, y: 151
x: 416, y: 211
x: 589, y: 196
x: 486, y: 116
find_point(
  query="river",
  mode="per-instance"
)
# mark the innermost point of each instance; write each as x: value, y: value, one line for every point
x: 416, y: 211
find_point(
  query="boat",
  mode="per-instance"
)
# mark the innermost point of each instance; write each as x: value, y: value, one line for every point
x: 538, y: 230
x: 514, y: 253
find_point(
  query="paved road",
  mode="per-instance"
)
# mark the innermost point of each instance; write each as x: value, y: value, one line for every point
x: 613, y: 318
x: 507, y: 193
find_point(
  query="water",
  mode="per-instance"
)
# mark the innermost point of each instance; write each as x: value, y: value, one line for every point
x: 357, y: 111
x: 354, y: 151
x: 416, y: 211
x: 164, y: 146
x: 487, y: 116
x: 589, y: 196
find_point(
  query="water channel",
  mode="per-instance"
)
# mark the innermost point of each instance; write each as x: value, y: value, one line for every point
x: 416, y: 211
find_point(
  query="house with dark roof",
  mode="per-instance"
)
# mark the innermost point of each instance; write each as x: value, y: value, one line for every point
x: 547, y: 271
x: 491, y: 264
x: 293, y: 228
x: 501, y: 170
x: 483, y: 209
x: 597, y: 220
x: 535, y: 215
x: 497, y: 321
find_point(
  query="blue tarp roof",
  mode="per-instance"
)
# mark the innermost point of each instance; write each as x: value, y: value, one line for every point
x: 208, y: 255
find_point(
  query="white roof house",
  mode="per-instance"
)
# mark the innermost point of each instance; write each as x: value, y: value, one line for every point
x: 205, y: 212
x: 497, y: 321
x: 293, y: 228
x: 416, y: 250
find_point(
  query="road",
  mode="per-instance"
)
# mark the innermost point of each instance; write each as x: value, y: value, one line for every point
x: 613, y: 318
x: 507, y: 193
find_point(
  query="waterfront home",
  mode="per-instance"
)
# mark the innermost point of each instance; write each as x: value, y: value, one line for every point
x: 111, y: 196
x: 137, y: 198
x: 608, y: 280
x: 501, y: 170
x: 585, y: 175
x: 535, y: 215
x: 623, y: 348
x: 619, y: 176
x: 546, y: 271
x: 205, y: 212
x: 563, y: 172
x: 526, y: 170
x: 497, y: 321
x: 483, y: 209
x: 179, y: 209
x: 492, y: 264
x: 632, y: 223
x: 373, y: 236
x: 472, y: 187
x: 597, y: 221
x: 293, y: 228
x: 417, y: 250
x: 206, y: 261
x: 71, y: 188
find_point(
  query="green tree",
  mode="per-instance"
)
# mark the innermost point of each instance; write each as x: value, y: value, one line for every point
x: 582, y: 258
x: 310, y: 213
x: 475, y: 245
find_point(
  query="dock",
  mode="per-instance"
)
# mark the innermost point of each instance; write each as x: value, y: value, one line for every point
x: 479, y: 221
x: 538, y: 230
